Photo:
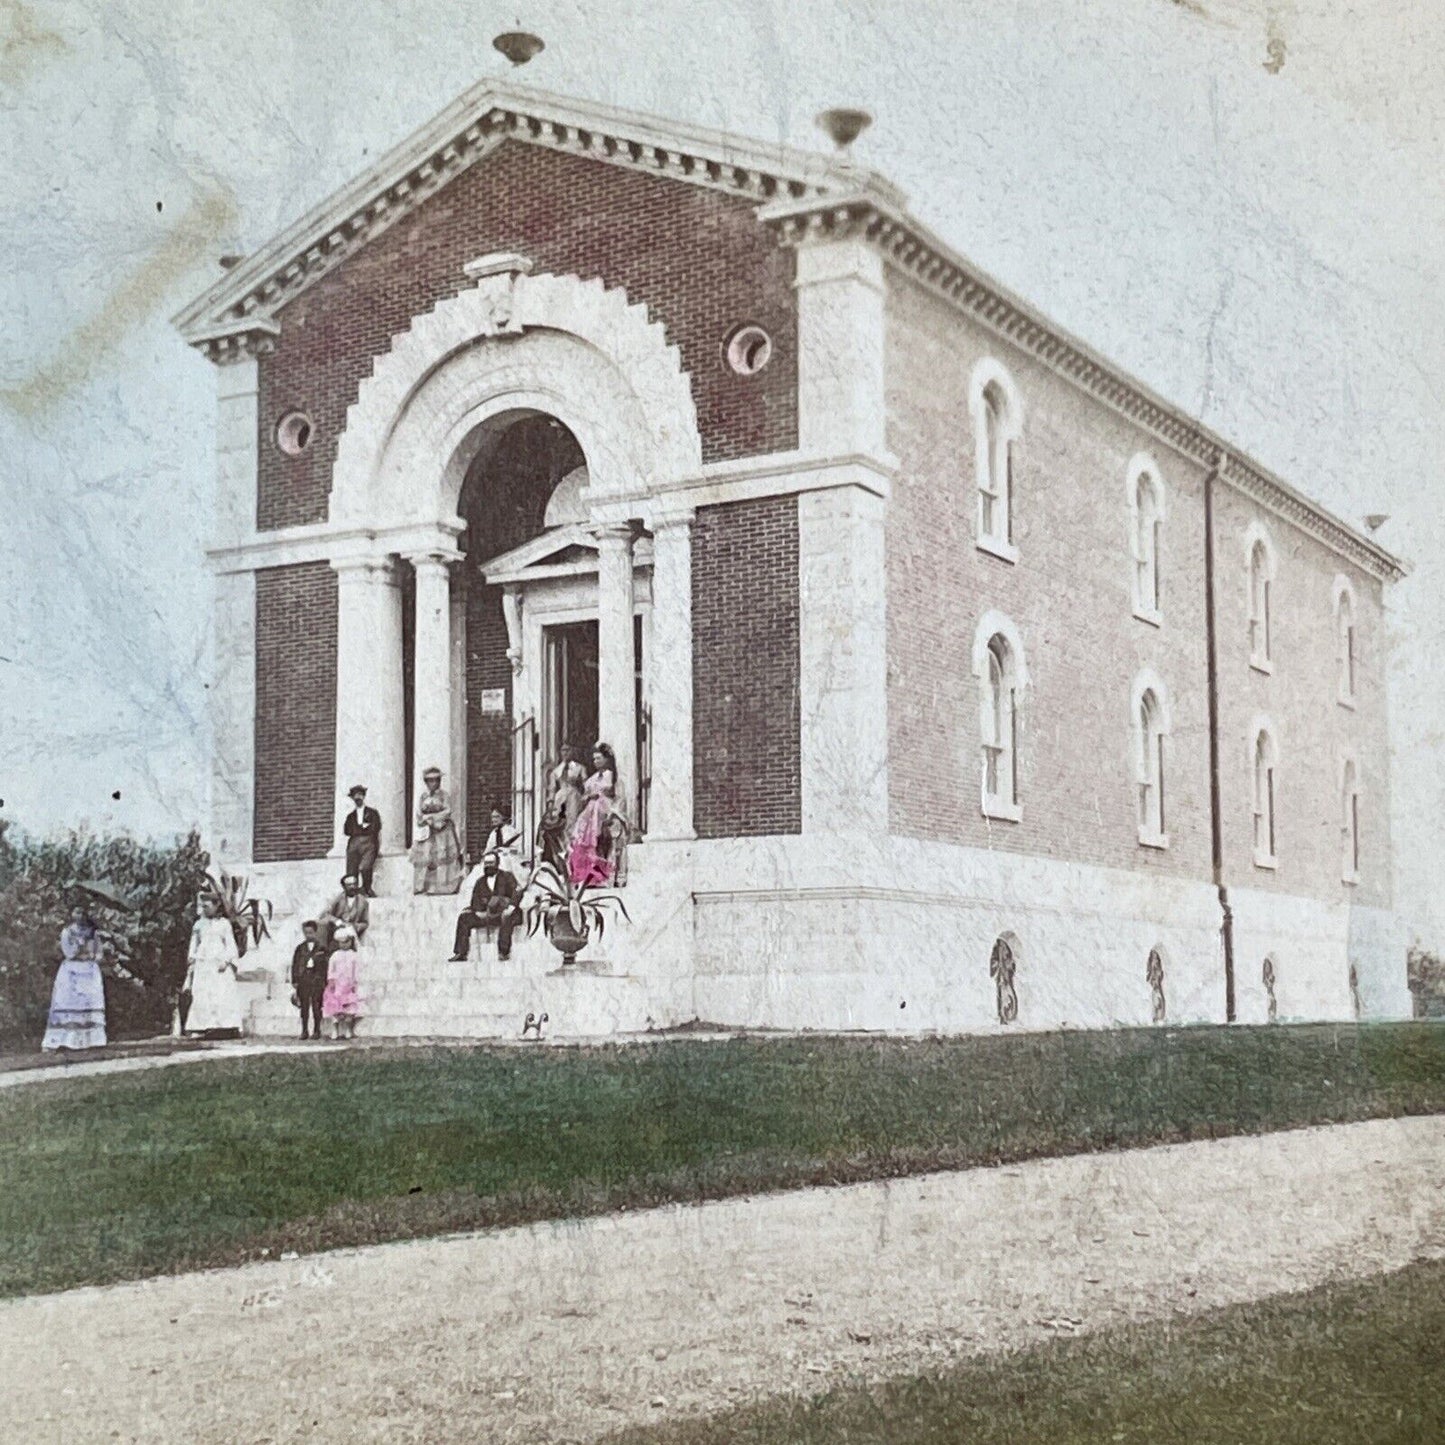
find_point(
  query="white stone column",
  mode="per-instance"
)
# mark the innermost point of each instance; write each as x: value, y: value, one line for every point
x: 843, y: 657
x: 232, y: 702
x: 370, y: 718
x: 237, y: 450
x: 432, y: 695
x: 669, y: 679
x: 616, y: 659
x: 232, y: 693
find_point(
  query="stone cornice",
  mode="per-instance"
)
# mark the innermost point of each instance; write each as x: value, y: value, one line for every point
x: 917, y: 253
x: 471, y: 128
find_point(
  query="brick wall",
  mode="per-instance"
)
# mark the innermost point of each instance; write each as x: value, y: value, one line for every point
x: 746, y: 732
x: 695, y: 256
x: 1300, y: 697
x: 1069, y: 595
x: 295, y: 711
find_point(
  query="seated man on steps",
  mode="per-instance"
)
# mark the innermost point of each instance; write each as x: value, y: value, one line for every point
x: 494, y: 905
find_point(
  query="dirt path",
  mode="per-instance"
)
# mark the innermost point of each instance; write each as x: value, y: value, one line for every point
x: 559, y: 1332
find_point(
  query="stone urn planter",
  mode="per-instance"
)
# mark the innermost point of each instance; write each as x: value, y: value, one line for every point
x: 571, y: 914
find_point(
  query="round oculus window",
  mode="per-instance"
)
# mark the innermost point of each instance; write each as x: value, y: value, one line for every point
x: 748, y: 350
x: 293, y: 433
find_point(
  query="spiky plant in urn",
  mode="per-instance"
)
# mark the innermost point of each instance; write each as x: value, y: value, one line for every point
x: 571, y: 914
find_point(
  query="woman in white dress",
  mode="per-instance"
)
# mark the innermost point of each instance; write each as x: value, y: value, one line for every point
x: 77, y: 1003
x: 212, y: 979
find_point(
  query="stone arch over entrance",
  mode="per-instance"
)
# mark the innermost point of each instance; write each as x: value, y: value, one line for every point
x: 513, y: 343
x: 573, y: 349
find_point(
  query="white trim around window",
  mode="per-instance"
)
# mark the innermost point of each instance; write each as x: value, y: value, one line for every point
x: 1145, y: 498
x: 1350, y: 794
x: 1264, y: 791
x: 1345, y: 617
x: 1259, y: 575
x: 997, y: 417
x: 1149, y: 726
x: 1002, y: 673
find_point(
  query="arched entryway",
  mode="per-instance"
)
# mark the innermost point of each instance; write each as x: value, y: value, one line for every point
x: 481, y: 417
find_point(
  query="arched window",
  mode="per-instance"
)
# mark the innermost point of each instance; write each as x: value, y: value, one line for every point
x: 1000, y: 727
x: 1345, y: 641
x: 1151, y: 769
x: 1146, y: 519
x: 1266, y: 760
x: 998, y: 663
x: 1261, y: 586
x: 1150, y: 725
x: 997, y: 425
x: 1350, y: 823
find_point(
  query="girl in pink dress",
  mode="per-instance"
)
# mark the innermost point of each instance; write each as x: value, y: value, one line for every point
x: 341, y: 1003
x: 590, y: 859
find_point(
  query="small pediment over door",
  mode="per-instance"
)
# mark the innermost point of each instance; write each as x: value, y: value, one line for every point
x: 569, y: 551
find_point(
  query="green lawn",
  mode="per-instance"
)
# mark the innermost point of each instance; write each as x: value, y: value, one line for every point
x: 217, y: 1162
x: 1355, y: 1364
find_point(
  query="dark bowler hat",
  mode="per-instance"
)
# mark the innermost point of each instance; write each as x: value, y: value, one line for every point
x: 352, y: 792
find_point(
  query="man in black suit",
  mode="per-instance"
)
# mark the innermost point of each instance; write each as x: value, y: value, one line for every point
x: 308, y: 978
x: 362, y: 827
x: 494, y: 904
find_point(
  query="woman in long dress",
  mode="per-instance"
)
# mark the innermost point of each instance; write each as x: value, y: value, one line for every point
x: 213, y: 981
x: 568, y: 783
x: 77, y: 1002
x: 436, y: 850
x: 341, y: 1003
x: 590, y: 859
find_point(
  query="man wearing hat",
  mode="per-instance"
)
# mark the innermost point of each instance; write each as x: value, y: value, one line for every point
x: 362, y: 827
x: 349, y: 907
x: 494, y: 905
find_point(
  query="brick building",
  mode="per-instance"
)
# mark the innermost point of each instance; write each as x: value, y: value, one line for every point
x: 937, y: 653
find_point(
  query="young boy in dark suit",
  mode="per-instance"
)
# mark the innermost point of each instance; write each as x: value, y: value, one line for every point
x: 308, y: 978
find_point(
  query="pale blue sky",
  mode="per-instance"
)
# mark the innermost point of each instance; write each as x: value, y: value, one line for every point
x: 1263, y: 248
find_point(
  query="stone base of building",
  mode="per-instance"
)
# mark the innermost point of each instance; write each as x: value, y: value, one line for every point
x: 846, y: 933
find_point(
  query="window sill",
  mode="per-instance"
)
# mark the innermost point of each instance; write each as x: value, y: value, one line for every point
x: 1002, y: 812
x: 995, y: 547
x: 1262, y: 664
x: 1153, y: 840
x: 1350, y: 880
x: 1149, y: 615
x: 1346, y: 699
x: 1266, y: 860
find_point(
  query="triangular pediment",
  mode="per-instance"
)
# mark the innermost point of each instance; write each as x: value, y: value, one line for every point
x: 559, y: 551
x: 248, y: 296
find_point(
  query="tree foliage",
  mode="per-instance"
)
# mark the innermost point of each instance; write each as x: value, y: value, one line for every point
x: 37, y: 892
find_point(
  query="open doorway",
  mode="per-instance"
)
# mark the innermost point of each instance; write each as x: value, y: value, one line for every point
x: 569, y: 690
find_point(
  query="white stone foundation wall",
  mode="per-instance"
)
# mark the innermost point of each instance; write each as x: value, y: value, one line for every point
x: 778, y: 933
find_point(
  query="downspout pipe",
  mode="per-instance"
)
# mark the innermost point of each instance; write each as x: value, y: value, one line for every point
x: 1216, y: 838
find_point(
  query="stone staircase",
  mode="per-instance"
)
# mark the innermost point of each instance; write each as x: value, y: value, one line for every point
x: 412, y: 990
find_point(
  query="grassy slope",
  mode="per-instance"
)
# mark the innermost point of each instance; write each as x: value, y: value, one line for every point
x: 211, y: 1163
x: 1342, y: 1365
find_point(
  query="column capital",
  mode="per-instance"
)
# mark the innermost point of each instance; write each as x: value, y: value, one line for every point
x: 678, y: 519
x: 438, y: 558
x: 364, y: 567
x: 614, y: 532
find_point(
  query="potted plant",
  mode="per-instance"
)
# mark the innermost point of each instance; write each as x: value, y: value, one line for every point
x: 571, y: 914
x: 250, y: 918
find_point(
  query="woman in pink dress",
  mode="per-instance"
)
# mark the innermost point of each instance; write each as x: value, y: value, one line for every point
x: 590, y: 859
x: 341, y: 1003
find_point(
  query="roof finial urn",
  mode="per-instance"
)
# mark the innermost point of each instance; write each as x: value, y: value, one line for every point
x: 519, y: 46
x: 844, y: 126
